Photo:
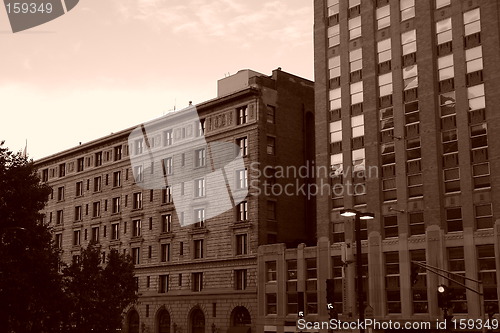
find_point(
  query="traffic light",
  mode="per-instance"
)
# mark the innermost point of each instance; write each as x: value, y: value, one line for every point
x: 443, y: 293
x: 414, y: 273
x: 329, y: 291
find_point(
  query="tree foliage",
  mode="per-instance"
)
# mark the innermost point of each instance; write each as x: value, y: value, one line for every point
x: 99, y: 293
x: 30, y: 293
x: 34, y: 295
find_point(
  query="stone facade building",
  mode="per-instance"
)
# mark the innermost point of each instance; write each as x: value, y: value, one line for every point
x: 196, y: 269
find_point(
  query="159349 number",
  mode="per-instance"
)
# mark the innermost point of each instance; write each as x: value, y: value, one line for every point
x: 475, y: 324
x: 28, y: 8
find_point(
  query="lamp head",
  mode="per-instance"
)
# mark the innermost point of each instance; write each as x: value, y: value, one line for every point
x: 348, y: 212
x: 366, y: 216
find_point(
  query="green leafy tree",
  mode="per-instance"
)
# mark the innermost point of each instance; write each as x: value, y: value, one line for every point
x: 31, y: 298
x: 99, y: 292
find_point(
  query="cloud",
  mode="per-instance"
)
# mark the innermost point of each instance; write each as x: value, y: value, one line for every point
x: 238, y: 21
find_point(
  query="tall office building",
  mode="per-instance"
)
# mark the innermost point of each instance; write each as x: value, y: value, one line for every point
x: 193, y: 239
x: 406, y: 94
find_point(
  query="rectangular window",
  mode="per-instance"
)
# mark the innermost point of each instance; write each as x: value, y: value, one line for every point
x: 442, y: 3
x: 115, y: 231
x: 97, y: 184
x: 166, y: 195
x: 354, y: 25
x: 198, y: 248
x: 136, y: 256
x: 271, y: 113
x: 392, y: 285
x: 79, y: 164
x: 242, y: 179
x: 383, y: 15
x: 242, y: 115
x: 338, y: 276
x: 334, y: 67
x: 166, y: 223
x: 271, y: 304
x: 356, y: 93
x: 454, y: 219
x: 139, y: 146
x: 58, y: 241
x: 78, y: 213
x: 45, y: 175
x: 456, y: 264
x: 95, y: 234
x: 271, y: 210
x: 199, y: 218
x: 355, y: 60
x: 62, y: 169
x: 409, y: 42
x: 240, y: 279
x: 98, y: 159
x: 138, y: 173
x: 197, y: 281
x: 60, y: 193
x: 115, y: 205
x: 391, y: 226
x: 417, y: 224
x: 291, y: 287
x: 167, y: 166
x: 96, y: 209
x: 137, y: 200
x: 410, y: 77
x: 311, y: 286
x: 487, y: 274
x: 419, y: 288
x: 271, y: 144
x: 136, y: 228
x: 243, y: 144
x: 472, y: 21
x: 199, y: 187
x: 117, y: 153
x: 446, y: 68
x: 384, y: 50
x: 117, y: 179
x: 165, y: 252
x: 443, y: 31
x: 334, y: 35
x: 241, y: 244
x: 474, y: 59
x: 76, y: 237
x: 200, y: 157
x: 163, y: 284
x: 271, y: 271
x: 483, y: 216
x: 242, y: 211
x: 407, y: 8
x: 168, y: 137
x: 385, y: 84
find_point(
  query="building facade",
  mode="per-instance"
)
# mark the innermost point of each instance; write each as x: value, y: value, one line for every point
x: 196, y: 259
x: 405, y: 95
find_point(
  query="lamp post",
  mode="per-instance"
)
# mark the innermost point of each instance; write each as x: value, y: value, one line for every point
x: 358, y: 216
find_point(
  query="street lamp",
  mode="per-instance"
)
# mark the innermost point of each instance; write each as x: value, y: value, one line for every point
x: 358, y: 216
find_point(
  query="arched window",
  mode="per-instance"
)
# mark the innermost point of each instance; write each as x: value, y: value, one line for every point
x: 133, y: 322
x: 240, y: 317
x: 197, y: 321
x: 163, y: 321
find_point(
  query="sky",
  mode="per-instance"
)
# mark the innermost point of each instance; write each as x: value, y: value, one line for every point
x: 108, y: 65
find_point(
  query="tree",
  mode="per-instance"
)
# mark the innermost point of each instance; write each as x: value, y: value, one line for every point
x: 98, y: 295
x: 30, y: 284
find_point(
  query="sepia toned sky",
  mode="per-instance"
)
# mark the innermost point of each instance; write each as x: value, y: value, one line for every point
x: 111, y: 64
